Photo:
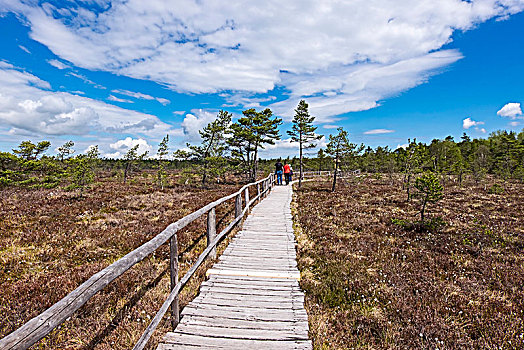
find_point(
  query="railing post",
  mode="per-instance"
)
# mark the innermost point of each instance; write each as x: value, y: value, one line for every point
x: 238, y: 205
x: 247, y: 196
x: 211, y: 232
x: 258, y: 192
x: 173, y: 266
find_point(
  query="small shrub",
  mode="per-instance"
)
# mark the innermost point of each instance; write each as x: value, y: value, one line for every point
x: 429, y: 191
x: 496, y: 189
x: 429, y: 225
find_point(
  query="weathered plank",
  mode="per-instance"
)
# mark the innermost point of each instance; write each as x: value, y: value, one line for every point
x: 240, y: 333
x: 256, y: 273
x: 245, y: 313
x: 220, y: 322
x: 172, y: 340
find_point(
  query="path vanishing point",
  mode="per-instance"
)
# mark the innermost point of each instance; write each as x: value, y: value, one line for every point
x: 252, y: 299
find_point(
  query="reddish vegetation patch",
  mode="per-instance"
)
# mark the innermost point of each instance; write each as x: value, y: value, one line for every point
x: 371, y: 283
x: 53, y: 240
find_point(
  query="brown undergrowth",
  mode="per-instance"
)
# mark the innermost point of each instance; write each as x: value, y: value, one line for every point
x: 52, y: 240
x: 371, y: 283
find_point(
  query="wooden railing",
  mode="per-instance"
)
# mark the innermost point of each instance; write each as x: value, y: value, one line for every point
x: 329, y: 173
x: 43, y: 324
x: 316, y: 173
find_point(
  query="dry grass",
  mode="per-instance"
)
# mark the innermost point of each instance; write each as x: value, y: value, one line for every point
x: 53, y: 240
x: 373, y: 284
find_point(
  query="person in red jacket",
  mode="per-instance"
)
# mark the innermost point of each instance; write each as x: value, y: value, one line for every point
x: 288, y: 172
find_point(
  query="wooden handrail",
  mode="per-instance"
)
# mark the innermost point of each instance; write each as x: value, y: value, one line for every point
x: 142, y: 342
x: 41, y: 325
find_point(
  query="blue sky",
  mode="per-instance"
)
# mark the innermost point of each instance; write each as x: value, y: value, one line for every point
x: 117, y: 74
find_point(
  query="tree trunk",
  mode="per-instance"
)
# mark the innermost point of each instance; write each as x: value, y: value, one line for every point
x: 255, y: 165
x: 408, y: 187
x: 335, y: 175
x: 301, y: 168
x: 126, y: 171
x: 423, y: 209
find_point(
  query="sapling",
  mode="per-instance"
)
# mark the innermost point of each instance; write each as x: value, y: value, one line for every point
x: 161, y: 153
x: 429, y: 191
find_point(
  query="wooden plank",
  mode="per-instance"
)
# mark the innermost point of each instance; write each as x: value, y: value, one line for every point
x: 253, y: 279
x: 215, y: 295
x: 277, y: 268
x: 220, y: 322
x: 241, y: 344
x: 245, y: 253
x: 250, y: 302
x: 284, y: 266
x: 286, y: 260
x: 273, y: 240
x: 252, y: 291
x: 245, y: 288
x: 261, y: 245
x: 254, y: 273
x: 245, y: 313
x: 240, y: 333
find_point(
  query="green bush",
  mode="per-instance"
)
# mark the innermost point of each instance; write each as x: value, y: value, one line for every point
x: 496, y: 189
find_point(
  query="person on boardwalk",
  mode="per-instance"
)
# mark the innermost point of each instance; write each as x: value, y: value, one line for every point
x: 278, y: 172
x: 288, y: 172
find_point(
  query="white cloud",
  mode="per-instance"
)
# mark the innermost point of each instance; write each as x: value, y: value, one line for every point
x: 378, y: 131
x: 86, y: 80
x: 511, y: 110
x: 122, y: 146
x: 29, y: 109
x: 348, y: 56
x: 245, y: 100
x: 468, y: 123
x: 23, y: 48
x: 514, y: 123
x: 58, y: 64
x: 141, y: 96
x: 116, y: 99
x: 195, y: 121
x: 359, y: 87
x: 287, y: 148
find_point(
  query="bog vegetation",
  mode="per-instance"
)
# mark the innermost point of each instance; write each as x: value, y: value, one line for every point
x: 423, y: 248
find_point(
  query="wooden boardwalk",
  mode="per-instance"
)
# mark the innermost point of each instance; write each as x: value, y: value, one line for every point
x: 252, y: 299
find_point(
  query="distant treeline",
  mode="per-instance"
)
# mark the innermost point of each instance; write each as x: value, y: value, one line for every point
x: 228, y: 147
x: 501, y: 154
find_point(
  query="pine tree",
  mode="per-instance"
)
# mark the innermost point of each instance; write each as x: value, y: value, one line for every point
x: 210, y: 153
x: 339, y: 148
x: 130, y: 158
x: 66, y: 150
x: 161, y: 153
x: 429, y: 191
x: 249, y: 134
x: 30, y: 151
x: 303, y: 132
